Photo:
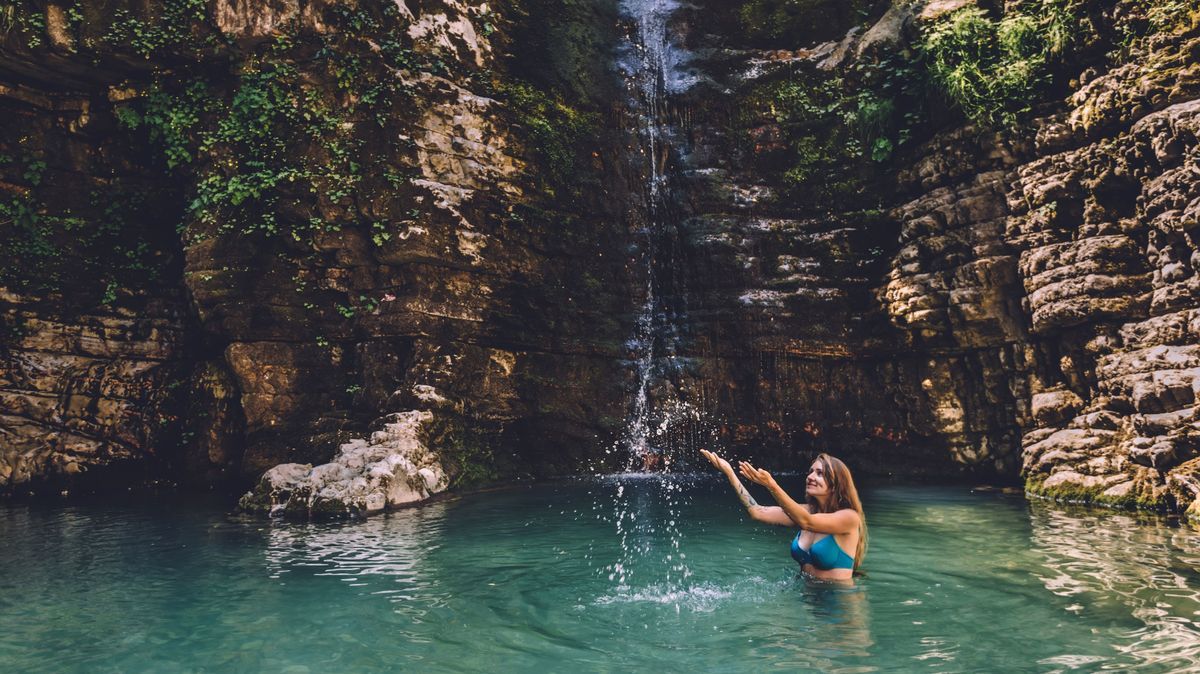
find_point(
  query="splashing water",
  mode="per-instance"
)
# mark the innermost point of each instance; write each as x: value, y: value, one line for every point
x: 647, y: 503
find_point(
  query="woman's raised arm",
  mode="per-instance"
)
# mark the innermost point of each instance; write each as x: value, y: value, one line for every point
x: 840, y: 522
x: 766, y: 514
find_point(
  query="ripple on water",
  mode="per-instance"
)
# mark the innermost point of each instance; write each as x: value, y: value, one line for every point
x: 696, y: 598
x: 954, y: 582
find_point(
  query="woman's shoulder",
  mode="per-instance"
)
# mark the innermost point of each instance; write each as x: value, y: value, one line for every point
x: 849, y: 512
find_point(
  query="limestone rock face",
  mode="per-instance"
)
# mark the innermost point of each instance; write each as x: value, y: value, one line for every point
x: 1026, y: 303
x: 1008, y: 302
x: 392, y: 468
x: 1101, y: 258
x: 450, y: 293
x: 89, y: 392
x: 93, y: 373
x: 1106, y: 264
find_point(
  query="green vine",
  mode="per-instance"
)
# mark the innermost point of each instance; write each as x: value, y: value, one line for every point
x: 834, y: 129
x: 96, y: 250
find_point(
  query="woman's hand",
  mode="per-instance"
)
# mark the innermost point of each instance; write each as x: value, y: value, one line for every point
x: 756, y: 475
x: 721, y: 464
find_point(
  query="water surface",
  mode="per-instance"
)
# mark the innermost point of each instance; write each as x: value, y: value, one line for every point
x: 597, y: 575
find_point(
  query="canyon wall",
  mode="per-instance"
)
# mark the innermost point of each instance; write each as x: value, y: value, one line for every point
x: 340, y: 221
x: 323, y: 234
x: 1009, y: 295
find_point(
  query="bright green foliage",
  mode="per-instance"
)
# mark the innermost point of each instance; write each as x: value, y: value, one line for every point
x: 258, y: 133
x: 276, y: 135
x: 171, y: 119
x: 993, y: 68
x: 834, y: 128
x: 29, y: 23
x: 172, y: 29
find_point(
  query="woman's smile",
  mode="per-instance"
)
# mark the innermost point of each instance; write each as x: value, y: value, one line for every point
x: 815, y: 483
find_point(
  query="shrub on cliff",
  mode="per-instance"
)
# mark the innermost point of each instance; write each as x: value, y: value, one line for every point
x: 993, y: 67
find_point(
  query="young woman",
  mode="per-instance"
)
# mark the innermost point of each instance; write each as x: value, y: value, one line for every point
x: 831, y: 520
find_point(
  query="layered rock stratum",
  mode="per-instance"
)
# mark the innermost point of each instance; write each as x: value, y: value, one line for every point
x: 428, y: 248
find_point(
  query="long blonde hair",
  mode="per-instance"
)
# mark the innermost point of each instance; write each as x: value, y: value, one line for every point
x: 843, y: 495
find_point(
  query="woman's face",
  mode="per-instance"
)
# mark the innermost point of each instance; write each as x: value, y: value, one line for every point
x: 815, y: 485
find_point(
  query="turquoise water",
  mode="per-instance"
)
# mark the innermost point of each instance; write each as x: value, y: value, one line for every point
x: 519, y: 580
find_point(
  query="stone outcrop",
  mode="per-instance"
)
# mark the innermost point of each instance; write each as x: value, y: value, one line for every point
x: 1033, y: 313
x: 1116, y: 268
x: 392, y: 468
x: 89, y: 391
x: 1070, y: 247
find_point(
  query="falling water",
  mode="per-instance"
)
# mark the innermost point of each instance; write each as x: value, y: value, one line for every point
x: 647, y: 501
x: 654, y: 69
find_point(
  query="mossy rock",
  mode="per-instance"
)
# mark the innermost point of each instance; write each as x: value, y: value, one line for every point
x: 1141, y: 494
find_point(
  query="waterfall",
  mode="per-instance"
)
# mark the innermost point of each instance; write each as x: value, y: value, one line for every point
x: 654, y: 69
x: 648, y: 500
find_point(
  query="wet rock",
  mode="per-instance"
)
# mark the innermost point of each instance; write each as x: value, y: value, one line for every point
x: 1010, y: 298
x: 937, y: 8
x: 889, y: 31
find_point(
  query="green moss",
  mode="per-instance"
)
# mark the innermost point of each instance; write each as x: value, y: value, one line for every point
x: 1192, y: 513
x: 835, y: 129
x: 465, y: 453
x: 768, y: 23
x: 1169, y: 16
x: 562, y: 47
x: 1074, y: 493
x: 557, y: 133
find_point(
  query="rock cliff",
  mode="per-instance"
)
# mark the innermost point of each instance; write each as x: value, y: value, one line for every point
x: 349, y: 217
x: 378, y: 251
x: 1012, y: 291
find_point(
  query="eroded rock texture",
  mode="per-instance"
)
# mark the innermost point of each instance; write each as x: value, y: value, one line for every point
x: 1001, y: 301
x: 405, y: 260
x: 1024, y: 301
x: 1049, y: 276
x: 90, y: 373
x: 820, y: 324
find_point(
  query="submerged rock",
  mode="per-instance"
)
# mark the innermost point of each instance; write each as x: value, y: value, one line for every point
x: 392, y: 468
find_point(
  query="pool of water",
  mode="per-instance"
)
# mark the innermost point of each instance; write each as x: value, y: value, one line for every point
x: 613, y: 574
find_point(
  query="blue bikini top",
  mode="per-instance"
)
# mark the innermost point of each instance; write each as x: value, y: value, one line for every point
x: 825, y: 554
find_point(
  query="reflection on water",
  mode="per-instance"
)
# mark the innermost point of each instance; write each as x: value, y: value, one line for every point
x: 395, y: 546
x: 1137, y: 572
x: 956, y: 582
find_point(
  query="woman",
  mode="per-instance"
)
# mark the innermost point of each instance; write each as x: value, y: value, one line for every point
x: 831, y: 521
